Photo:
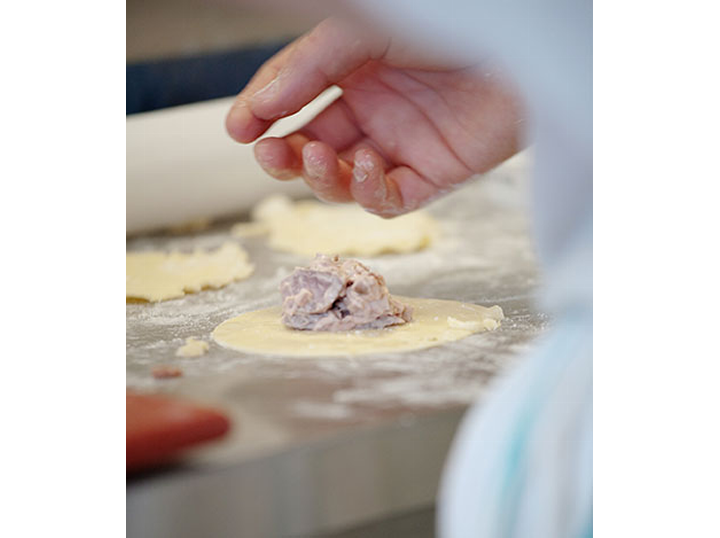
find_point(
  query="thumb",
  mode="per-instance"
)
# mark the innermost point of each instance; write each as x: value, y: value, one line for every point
x: 329, y: 53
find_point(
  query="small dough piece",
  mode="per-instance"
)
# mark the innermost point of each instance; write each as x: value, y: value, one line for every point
x: 192, y: 348
x: 307, y: 227
x: 158, y: 276
x: 488, y: 323
x: 262, y: 332
x: 472, y: 325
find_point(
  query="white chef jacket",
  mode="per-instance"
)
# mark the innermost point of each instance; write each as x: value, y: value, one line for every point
x: 521, y: 463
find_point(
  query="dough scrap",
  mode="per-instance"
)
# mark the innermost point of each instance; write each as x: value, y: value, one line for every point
x: 307, y: 227
x: 192, y: 348
x: 262, y: 332
x: 489, y: 323
x: 158, y: 276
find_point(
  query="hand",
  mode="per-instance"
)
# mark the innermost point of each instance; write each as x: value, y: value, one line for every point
x: 404, y: 131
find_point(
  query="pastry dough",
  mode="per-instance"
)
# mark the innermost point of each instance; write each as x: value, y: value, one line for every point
x: 192, y: 348
x: 262, y: 332
x: 158, y: 276
x: 308, y: 227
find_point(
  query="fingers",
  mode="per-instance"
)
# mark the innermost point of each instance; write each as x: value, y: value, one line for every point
x: 297, y: 75
x: 278, y: 158
x: 317, y: 163
x: 337, y: 126
x: 387, y: 194
x: 370, y: 187
x: 328, y: 176
x: 240, y: 123
x: 323, y: 57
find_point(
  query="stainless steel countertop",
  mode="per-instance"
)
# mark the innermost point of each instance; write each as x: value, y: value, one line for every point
x: 319, y: 445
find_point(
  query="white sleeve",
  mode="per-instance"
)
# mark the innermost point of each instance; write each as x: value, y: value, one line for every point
x: 521, y: 464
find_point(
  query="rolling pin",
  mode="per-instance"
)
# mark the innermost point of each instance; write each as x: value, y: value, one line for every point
x: 183, y: 167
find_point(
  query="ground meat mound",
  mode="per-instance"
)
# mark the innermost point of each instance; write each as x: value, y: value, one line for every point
x: 332, y: 294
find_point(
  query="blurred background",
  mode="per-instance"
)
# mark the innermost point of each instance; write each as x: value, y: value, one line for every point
x: 184, y: 51
x: 181, y: 165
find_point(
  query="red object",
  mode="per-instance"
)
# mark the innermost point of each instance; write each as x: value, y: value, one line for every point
x: 159, y: 427
x: 166, y: 372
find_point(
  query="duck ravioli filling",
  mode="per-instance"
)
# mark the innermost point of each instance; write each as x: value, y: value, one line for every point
x: 334, y: 294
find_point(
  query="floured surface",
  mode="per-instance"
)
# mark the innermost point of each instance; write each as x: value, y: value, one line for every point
x: 434, y: 323
x: 485, y: 257
x: 159, y: 276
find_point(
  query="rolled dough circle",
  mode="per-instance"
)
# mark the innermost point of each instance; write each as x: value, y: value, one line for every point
x: 435, y: 322
x: 159, y: 276
x: 307, y: 227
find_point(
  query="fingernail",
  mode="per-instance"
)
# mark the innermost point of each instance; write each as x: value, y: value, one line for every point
x: 363, y: 167
x: 237, y: 120
x: 278, y: 173
x: 264, y: 157
x: 313, y: 166
x: 359, y: 175
x: 268, y: 91
x: 262, y: 154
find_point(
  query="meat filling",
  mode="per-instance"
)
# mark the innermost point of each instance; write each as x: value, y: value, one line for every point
x: 339, y: 295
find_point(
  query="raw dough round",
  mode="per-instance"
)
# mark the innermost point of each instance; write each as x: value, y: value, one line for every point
x: 308, y: 227
x: 435, y: 322
x: 158, y: 276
